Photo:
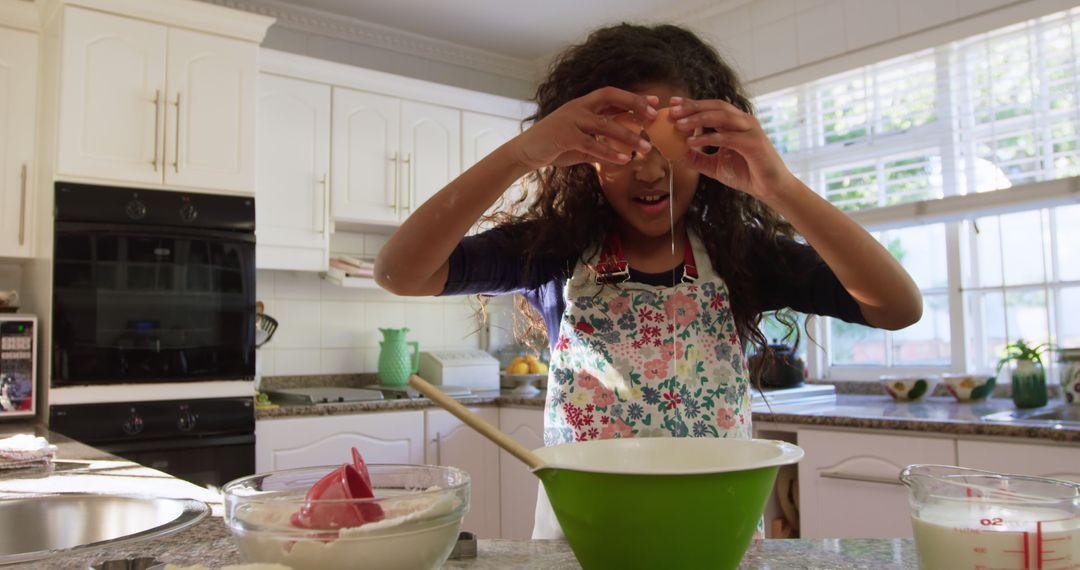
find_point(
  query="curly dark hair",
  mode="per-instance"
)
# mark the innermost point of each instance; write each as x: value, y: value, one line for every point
x: 567, y: 212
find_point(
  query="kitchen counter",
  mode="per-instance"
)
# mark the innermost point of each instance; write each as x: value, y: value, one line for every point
x: 210, y: 544
x: 80, y: 467
x: 937, y: 414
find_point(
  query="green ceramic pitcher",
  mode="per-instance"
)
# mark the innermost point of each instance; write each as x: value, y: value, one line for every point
x: 396, y: 364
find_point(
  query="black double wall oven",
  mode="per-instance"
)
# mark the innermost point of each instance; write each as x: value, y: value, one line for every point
x: 156, y: 287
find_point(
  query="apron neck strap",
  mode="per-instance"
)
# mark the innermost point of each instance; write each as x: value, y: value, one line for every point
x: 614, y: 268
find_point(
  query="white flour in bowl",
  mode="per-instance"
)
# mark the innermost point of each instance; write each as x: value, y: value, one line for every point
x: 414, y: 534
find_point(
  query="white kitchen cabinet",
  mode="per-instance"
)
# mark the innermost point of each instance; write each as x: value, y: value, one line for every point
x: 210, y: 123
x: 518, y: 486
x: 431, y: 144
x: 1055, y: 462
x: 18, y: 104
x: 142, y: 102
x: 849, y: 485
x: 293, y: 168
x: 389, y: 155
x: 366, y: 156
x: 381, y: 437
x: 480, y: 135
x: 452, y: 443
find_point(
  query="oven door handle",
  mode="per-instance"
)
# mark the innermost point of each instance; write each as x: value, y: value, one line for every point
x: 148, y: 231
x: 174, y: 443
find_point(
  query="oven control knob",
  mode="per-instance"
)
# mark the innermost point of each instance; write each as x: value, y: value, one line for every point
x: 186, y: 422
x: 135, y: 210
x: 188, y: 213
x: 132, y: 425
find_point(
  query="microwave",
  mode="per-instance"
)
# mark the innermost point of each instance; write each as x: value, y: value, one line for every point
x: 18, y: 365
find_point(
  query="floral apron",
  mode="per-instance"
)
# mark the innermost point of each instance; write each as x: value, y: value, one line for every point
x: 635, y: 360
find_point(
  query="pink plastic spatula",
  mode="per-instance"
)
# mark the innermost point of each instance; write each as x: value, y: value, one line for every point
x: 340, y: 486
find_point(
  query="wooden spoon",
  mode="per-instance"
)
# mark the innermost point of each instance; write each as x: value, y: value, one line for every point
x: 497, y: 436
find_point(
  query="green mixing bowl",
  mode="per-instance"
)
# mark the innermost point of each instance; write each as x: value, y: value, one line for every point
x: 661, y: 502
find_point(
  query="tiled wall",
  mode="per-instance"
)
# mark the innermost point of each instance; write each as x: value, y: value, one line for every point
x: 326, y: 329
x: 10, y: 277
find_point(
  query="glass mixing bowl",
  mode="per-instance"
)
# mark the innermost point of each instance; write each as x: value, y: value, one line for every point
x: 423, y: 506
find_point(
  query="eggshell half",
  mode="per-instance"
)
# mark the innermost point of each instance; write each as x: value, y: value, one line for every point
x: 670, y: 141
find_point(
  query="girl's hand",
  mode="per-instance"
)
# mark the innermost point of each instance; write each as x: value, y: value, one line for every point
x: 569, y: 135
x: 746, y: 159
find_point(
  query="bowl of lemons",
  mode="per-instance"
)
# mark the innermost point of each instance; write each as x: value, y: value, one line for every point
x: 522, y: 373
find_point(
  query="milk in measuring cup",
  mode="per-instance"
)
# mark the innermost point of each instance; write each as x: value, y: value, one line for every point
x: 977, y: 536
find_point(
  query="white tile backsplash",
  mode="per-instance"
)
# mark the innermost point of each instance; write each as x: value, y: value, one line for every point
x: 299, y: 322
x: 341, y: 323
x: 425, y: 323
x: 342, y: 360
x: 296, y: 361
x: 326, y: 329
x: 297, y: 285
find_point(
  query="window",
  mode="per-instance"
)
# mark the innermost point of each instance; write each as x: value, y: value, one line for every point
x: 985, y: 122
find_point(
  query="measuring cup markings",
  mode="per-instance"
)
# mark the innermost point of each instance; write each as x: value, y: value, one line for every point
x: 946, y: 546
x: 966, y: 519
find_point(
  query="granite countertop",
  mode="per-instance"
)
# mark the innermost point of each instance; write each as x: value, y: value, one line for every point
x: 79, y: 467
x: 860, y: 411
x: 210, y: 544
x: 941, y: 415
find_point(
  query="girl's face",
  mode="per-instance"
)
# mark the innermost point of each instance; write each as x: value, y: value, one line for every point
x: 638, y: 190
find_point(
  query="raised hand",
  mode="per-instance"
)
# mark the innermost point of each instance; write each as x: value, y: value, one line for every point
x: 746, y: 159
x: 584, y: 130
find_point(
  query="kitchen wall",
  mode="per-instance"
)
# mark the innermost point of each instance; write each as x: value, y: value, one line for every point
x: 327, y: 329
x: 775, y: 44
x: 333, y: 49
x: 10, y: 277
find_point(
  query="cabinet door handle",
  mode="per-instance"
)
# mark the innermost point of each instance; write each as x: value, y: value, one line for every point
x: 176, y: 163
x: 157, y: 127
x: 409, y: 171
x: 23, y: 176
x: 394, y: 161
x: 328, y: 208
x: 437, y: 440
x: 863, y: 478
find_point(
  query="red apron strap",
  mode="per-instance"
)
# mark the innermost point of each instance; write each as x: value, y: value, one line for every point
x: 689, y: 272
x: 614, y: 268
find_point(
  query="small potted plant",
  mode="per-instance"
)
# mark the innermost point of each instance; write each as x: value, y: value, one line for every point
x: 1029, y: 378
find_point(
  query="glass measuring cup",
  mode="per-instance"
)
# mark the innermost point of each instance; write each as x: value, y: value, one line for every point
x: 969, y: 519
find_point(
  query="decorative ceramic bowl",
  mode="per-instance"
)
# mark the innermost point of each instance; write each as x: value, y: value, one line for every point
x: 969, y: 387
x: 422, y: 508
x: 909, y: 388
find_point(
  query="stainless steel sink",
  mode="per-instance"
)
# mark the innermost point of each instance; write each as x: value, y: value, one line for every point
x: 40, y: 526
x: 1066, y: 416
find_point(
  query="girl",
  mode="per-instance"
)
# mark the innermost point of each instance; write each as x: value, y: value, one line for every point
x: 647, y: 339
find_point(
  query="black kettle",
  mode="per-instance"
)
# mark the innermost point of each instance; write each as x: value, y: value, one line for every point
x: 778, y: 367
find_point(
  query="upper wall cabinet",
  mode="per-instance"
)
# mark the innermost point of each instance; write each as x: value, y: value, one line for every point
x: 292, y: 205
x: 18, y: 80
x: 390, y: 155
x: 152, y: 104
x: 481, y: 134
